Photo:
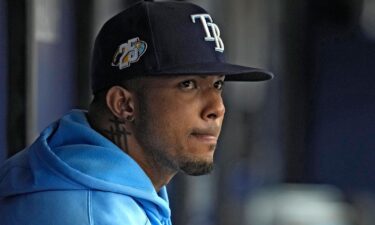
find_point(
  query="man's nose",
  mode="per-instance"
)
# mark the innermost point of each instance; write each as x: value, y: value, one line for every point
x: 214, y: 105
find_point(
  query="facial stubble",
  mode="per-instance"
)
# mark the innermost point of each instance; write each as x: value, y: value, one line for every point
x: 159, y: 153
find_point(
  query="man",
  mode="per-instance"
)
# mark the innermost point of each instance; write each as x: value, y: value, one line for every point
x: 157, y: 77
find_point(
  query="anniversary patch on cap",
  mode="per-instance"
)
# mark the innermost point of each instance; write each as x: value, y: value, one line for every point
x: 128, y: 53
x: 163, y: 38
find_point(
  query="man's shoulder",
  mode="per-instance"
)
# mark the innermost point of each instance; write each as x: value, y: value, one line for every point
x: 71, y: 207
x: 113, y: 208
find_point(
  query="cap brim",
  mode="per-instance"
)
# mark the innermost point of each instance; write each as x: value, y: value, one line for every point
x: 232, y: 72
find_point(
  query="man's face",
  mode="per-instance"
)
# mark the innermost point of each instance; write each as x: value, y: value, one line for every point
x: 178, y: 121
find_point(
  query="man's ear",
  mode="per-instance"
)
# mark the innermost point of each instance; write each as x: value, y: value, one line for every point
x: 121, y: 102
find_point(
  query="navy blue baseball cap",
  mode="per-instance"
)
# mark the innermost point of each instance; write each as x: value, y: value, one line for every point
x: 162, y: 38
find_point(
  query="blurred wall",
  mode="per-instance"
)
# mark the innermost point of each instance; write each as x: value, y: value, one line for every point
x: 17, y: 60
x: 52, y: 75
x: 342, y: 125
x: 3, y: 79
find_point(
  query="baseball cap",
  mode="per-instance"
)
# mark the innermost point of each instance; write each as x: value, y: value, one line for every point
x: 162, y: 38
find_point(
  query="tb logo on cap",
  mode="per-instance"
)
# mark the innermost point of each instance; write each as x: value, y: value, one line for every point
x: 207, y: 23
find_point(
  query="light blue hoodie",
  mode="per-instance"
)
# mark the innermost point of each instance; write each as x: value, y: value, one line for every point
x: 72, y: 175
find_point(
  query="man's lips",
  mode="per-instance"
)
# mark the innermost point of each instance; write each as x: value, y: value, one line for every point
x: 208, y: 136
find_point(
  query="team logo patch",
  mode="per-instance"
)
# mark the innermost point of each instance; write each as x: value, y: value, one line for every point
x: 128, y: 53
x: 211, y: 29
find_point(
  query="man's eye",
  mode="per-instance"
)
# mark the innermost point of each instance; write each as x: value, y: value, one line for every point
x: 187, y: 85
x: 219, y: 84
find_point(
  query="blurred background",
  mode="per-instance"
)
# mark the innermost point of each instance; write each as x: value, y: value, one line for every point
x: 297, y: 150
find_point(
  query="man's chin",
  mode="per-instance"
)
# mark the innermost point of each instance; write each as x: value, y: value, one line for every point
x: 197, y: 168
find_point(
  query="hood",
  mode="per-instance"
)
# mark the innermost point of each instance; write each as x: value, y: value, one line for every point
x: 70, y: 155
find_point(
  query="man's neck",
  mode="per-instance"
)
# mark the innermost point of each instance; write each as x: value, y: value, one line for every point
x: 115, y: 130
x: 158, y: 174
